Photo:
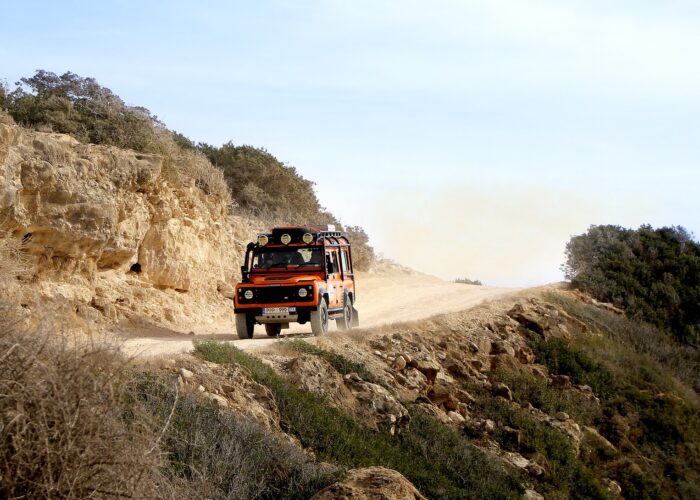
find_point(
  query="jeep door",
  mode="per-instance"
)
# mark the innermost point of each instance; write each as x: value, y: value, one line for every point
x: 335, y: 283
x: 347, y: 273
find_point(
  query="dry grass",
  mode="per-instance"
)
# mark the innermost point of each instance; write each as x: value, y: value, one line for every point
x: 13, y: 262
x: 65, y: 430
x: 181, y: 164
x: 5, y: 118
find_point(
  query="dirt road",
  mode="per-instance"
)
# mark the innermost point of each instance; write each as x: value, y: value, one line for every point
x: 382, y: 298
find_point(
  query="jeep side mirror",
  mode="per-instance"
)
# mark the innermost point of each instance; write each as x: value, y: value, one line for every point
x: 244, y: 273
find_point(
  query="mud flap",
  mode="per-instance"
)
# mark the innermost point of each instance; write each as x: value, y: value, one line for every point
x: 355, y: 318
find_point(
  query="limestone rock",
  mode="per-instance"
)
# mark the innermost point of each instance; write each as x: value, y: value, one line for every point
x: 532, y: 495
x: 371, y: 483
x: 400, y: 362
x: 502, y: 347
x: 502, y: 390
x: 427, y: 367
x: 370, y: 403
x: 109, y: 232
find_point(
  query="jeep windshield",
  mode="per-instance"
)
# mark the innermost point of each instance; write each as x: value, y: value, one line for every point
x: 275, y: 259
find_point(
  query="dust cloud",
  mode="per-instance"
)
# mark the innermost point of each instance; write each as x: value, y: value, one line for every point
x: 506, y: 235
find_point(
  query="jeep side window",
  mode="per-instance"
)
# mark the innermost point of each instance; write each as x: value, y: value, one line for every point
x: 332, y: 262
x: 344, y: 260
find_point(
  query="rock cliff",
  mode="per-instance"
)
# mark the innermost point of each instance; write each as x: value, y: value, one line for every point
x: 113, y: 234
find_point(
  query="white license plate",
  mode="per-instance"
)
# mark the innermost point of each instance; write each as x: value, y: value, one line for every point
x: 279, y: 310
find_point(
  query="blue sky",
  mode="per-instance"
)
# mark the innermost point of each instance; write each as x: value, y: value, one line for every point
x: 499, y: 127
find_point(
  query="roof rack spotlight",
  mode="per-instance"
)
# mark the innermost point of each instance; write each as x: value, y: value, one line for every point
x: 263, y: 240
x: 307, y: 238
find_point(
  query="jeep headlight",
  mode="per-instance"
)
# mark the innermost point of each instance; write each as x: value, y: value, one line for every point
x: 248, y: 294
x: 307, y: 238
x: 262, y: 240
x: 303, y: 292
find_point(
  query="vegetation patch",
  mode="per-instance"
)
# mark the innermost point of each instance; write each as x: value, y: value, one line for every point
x: 436, y: 459
x: 342, y: 364
x: 537, y: 391
x: 566, y: 476
x: 63, y: 426
x: 647, y: 412
x: 220, y: 454
x: 654, y: 274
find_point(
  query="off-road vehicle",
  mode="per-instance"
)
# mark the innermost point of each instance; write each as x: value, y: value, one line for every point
x: 296, y: 275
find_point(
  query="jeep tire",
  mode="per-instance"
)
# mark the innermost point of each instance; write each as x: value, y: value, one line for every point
x: 273, y: 329
x: 244, y: 326
x: 344, y: 322
x: 319, y: 319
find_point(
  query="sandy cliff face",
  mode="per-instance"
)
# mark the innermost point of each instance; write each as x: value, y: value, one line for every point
x: 114, y: 234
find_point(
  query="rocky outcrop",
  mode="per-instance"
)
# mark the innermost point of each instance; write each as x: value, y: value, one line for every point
x: 371, y: 483
x: 229, y: 386
x: 115, y: 233
x: 369, y: 403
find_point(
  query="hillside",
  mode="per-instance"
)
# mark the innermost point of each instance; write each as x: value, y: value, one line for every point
x: 113, y: 234
x: 449, y: 390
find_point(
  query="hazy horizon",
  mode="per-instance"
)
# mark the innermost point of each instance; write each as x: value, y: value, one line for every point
x: 470, y: 139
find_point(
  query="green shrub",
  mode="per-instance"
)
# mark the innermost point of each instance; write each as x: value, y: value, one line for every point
x: 638, y: 346
x: 439, y: 461
x: 362, y: 253
x: 654, y: 274
x: 567, y: 474
x: 81, y: 107
x: 560, y: 357
x: 651, y: 416
x: 537, y: 391
x: 215, y: 454
x: 265, y: 187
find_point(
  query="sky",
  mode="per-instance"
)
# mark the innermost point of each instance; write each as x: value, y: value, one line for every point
x: 469, y: 138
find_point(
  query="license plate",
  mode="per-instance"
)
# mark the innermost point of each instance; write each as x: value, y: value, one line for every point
x: 279, y: 310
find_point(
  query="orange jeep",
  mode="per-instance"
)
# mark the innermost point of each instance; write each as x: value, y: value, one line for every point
x: 296, y: 274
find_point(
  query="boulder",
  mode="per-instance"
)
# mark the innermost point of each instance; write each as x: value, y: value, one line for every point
x: 561, y: 382
x: 427, y: 367
x: 371, y: 483
x: 502, y: 390
x: 525, y: 355
x: 502, y: 347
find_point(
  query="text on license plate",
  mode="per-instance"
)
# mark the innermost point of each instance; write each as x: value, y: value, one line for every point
x: 279, y: 310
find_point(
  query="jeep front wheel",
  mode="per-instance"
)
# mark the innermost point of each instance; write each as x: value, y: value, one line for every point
x: 319, y: 319
x: 244, y: 326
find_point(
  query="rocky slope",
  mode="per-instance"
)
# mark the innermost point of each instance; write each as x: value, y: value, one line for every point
x: 447, y: 367
x: 114, y: 234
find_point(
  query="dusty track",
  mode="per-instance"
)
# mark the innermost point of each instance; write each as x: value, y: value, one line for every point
x: 382, y: 298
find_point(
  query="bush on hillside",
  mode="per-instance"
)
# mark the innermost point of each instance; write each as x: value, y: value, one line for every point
x: 63, y: 431
x: 259, y: 183
x: 362, y: 253
x: 439, y: 461
x: 79, y: 106
x: 222, y: 454
x: 467, y: 281
x: 654, y: 274
x: 265, y: 187
x: 651, y: 416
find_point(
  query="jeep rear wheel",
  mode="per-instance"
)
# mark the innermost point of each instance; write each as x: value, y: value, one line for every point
x: 344, y: 322
x: 244, y: 326
x: 273, y: 329
x: 319, y: 319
